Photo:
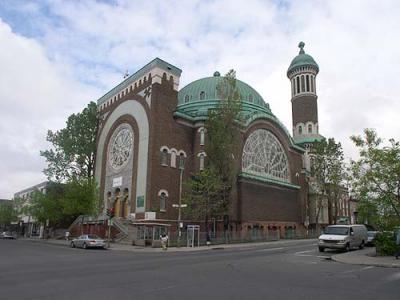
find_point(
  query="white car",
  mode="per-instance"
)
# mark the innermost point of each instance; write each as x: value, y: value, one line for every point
x: 343, y: 237
x: 88, y: 241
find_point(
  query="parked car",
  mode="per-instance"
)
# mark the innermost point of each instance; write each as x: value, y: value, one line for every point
x: 371, y: 233
x: 6, y: 236
x: 88, y: 241
x: 343, y: 237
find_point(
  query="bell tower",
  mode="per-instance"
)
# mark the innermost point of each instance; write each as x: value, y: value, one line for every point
x: 302, y: 74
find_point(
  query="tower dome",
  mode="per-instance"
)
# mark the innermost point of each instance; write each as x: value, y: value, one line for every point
x: 302, y: 60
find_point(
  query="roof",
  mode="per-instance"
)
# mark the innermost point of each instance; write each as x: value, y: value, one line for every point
x: 196, y: 98
x: 302, y: 60
x: 157, y: 62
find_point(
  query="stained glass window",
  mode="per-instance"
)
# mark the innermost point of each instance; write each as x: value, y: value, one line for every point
x: 263, y: 155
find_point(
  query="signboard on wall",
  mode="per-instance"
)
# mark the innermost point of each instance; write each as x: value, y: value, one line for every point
x: 140, y: 202
x: 117, y: 181
x: 150, y: 215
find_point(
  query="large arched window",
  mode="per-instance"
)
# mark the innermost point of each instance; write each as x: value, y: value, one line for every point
x: 263, y: 155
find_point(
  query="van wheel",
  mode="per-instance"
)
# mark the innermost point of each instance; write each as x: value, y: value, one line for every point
x: 321, y: 249
x: 347, y: 249
x: 362, y: 245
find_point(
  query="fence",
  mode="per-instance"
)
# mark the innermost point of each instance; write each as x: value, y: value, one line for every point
x: 226, y: 237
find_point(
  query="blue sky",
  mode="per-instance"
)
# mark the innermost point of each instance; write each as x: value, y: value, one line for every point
x: 56, y: 56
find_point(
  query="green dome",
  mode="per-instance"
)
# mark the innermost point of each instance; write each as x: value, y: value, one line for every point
x: 205, y: 89
x: 196, y: 98
x: 302, y: 60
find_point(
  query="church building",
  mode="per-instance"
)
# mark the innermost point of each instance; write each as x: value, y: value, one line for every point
x: 151, y: 138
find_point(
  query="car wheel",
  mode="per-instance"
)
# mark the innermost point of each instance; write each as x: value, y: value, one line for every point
x: 347, y: 249
x: 362, y: 245
x: 72, y: 245
x: 84, y: 246
x: 321, y: 249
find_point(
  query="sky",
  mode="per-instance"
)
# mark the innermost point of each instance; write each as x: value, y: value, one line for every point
x: 57, y: 56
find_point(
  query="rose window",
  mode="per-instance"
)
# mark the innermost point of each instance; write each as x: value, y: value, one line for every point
x: 121, y: 147
x: 263, y: 155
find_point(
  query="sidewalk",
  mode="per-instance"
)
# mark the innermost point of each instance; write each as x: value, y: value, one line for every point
x: 367, y: 257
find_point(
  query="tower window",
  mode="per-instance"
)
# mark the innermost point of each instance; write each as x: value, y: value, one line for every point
x: 202, y: 95
x: 308, y: 83
x: 186, y: 98
x: 300, y: 129
x: 302, y: 84
x: 312, y: 84
x: 309, y: 128
x: 298, y: 84
x: 293, y: 87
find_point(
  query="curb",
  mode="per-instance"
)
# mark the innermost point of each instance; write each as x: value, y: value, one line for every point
x: 363, y: 259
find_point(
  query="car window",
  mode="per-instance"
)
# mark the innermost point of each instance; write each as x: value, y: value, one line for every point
x: 93, y: 236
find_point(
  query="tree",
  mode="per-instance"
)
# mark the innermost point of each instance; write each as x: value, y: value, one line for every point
x: 209, y: 191
x: 327, y: 176
x: 81, y: 198
x: 74, y: 147
x: 376, y: 178
x: 47, y: 206
x: 8, y: 214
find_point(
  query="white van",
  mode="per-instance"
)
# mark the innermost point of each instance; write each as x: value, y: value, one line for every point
x: 343, y: 237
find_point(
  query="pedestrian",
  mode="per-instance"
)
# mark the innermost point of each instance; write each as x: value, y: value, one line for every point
x: 397, y: 243
x: 164, y: 241
x: 67, y: 235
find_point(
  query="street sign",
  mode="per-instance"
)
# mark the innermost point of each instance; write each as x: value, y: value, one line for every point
x: 177, y: 205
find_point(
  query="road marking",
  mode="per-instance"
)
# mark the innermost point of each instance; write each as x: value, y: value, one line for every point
x: 269, y: 249
x: 302, y: 253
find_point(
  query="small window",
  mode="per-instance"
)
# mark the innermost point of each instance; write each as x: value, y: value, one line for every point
x: 300, y: 129
x: 202, y: 137
x: 309, y: 128
x: 164, y: 157
x: 187, y: 98
x: 298, y: 84
x: 312, y: 84
x: 251, y: 98
x: 201, y: 162
x: 308, y: 83
x: 181, y: 161
x: 202, y: 95
x: 302, y: 84
x: 173, y: 159
x: 163, y: 201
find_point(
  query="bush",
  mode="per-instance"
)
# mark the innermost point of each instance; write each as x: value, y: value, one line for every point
x: 385, y: 243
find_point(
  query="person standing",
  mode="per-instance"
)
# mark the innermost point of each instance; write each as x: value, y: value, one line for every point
x: 164, y: 241
x: 398, y: 243
x: 67, y: 235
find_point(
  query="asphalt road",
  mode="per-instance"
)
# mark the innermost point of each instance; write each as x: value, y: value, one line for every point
x: 31, y: 270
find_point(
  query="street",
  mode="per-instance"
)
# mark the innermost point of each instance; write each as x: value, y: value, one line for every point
x: 34, y: 270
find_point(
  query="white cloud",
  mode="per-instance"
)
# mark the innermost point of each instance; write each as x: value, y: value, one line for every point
x: 81, y: 49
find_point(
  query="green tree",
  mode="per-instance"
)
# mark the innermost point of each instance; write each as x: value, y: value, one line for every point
x: 47, y: 206
x: 376, y: 178
x: 8, y: 214
x: 209, y: 191
x: 74, y: 147
x: 81, y: 198
x: 328, y: 173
